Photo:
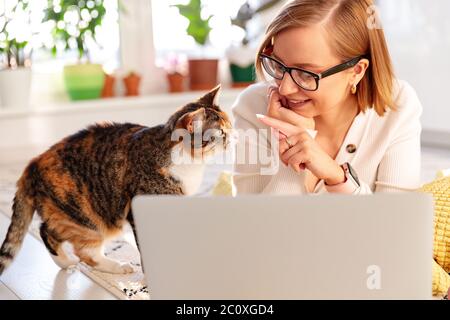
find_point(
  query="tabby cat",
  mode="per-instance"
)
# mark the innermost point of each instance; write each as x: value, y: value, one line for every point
x: 82, y: 186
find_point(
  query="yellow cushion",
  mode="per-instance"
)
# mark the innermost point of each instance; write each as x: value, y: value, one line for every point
x: 441, y: 280
x: 440, y: 189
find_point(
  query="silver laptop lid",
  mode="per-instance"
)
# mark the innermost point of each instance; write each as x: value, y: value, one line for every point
x: 310, y: 247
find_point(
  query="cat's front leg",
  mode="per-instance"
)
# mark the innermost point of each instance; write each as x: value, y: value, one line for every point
x: 130, y: 219
x: 95, y: 257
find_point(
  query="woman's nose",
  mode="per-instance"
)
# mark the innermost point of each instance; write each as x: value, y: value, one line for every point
x: 287, y: 85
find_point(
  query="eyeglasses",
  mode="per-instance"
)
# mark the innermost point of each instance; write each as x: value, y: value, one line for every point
x: 305, y: 79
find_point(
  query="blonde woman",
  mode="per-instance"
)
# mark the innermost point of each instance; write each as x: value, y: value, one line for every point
x: 344, y: 123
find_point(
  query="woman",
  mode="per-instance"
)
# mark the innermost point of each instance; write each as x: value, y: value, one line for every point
x: 344, y: 123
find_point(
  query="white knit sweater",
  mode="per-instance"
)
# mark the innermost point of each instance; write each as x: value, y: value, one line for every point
x: 387, y: 156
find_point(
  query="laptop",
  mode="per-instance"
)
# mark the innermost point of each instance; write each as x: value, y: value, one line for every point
x: 285, y: 247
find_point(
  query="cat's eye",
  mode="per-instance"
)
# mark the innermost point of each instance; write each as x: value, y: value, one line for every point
x: 219, y: 133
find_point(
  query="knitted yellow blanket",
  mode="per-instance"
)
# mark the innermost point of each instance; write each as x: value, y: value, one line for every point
x: 440, y: 189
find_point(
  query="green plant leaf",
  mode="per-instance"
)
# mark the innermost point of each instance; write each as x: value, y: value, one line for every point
x: 247, y: 13
x: 63, y: 35
x: 122, y: 7
x: 198, y: 27
x: 12, y: 49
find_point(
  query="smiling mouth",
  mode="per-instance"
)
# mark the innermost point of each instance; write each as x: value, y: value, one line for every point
x: 296, y: 104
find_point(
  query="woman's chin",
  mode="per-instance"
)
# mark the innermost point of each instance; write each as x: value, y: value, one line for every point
x: 304, y: 112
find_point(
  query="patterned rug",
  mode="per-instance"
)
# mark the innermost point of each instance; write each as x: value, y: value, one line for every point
x: 127, y: 286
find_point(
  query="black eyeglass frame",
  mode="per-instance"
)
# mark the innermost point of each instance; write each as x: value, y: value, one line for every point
x: 317, y: 76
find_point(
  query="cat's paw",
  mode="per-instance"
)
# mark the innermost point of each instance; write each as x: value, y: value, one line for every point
x: 125, y: 268
x: 65, y: 262
x: 112, y: 266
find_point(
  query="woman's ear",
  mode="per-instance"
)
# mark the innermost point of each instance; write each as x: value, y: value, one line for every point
x: 359, y: 70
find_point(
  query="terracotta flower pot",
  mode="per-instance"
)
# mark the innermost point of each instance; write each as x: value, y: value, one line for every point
x: 132, y: 82
x: 108, y: 87
x: 202, y: 73
x: 176, y: 82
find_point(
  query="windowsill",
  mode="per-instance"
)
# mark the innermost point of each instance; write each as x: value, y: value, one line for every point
x: 99, y: 105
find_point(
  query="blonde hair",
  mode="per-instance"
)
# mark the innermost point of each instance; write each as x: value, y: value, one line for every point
x: 347, y: 24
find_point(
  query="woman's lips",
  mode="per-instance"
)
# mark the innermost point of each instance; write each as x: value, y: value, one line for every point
x: 298, y: 104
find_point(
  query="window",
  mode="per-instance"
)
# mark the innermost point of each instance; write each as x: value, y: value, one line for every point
x: 169, y: 28
x: 47, y: 83
x: 107, y: 51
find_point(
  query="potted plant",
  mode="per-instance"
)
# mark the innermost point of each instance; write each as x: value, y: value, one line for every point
x: 241, y: 57
x: 203, y: 71
x: 175, y: 68
x: 132, y: 83
x: 108, y: 90
x: 75, y: 23
x: 15, y: 50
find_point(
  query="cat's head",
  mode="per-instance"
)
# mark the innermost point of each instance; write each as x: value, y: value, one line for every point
x: 204, y: 126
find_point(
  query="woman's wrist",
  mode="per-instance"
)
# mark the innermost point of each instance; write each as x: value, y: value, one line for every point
x: 349, y: 184
x: 338, y: 178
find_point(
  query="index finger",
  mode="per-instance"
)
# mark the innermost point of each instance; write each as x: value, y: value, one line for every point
x: 295, y: 119
x: 284, y: 127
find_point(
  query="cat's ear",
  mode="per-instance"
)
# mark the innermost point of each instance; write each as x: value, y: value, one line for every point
x: 211, y: 97
x: 192, y: 121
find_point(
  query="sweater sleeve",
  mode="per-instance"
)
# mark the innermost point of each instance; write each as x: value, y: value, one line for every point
x: 399, y: 169
x: 253, y: 160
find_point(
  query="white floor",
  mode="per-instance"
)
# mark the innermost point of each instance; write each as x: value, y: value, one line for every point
x: 33, y: 274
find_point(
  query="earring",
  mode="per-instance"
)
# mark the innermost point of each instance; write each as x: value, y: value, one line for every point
x: 353, y: 90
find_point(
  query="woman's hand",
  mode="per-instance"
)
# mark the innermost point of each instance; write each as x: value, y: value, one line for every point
x: 276, y: 109
x: 299, y: 150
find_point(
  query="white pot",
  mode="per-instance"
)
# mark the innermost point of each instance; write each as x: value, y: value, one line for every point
x: 240, y: 55
x: 15, y: 87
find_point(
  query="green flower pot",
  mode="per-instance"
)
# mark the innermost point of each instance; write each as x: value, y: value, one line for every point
x: 84, y: 81
x: 243, y: 74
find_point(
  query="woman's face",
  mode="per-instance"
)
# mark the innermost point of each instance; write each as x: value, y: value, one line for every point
x: 308, y: 48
